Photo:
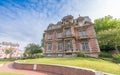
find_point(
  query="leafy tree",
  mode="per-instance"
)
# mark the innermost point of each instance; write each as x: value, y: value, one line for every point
x: 32, y: 49
x: 42, y: 41
x: 105, y: 23
x: 8, y: 51
x: 107, y: 30
x: 110, y: 36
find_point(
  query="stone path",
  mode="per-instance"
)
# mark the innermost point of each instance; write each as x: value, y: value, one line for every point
x: 9, y: 68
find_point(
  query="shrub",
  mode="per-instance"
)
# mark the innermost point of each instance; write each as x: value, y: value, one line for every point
x: 106, y: 48
x: 38, y: 55
x: 79, y: 54
x: 116, y: 57
x: 106, y: 55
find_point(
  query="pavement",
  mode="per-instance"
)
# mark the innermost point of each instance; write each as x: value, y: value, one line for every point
x: 9, y: 68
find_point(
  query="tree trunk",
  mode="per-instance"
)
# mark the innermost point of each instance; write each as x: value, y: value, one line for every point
x: 117, y: 49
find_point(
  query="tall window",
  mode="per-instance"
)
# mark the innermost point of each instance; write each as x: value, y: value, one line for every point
x: 59, y: 45
x: 76, y: 21
x: 49, y: 46
x: 50, y: 36
x: 81, y: 23
x: 59, y: 34
x: 85, y: 45
x: 68, y: 45
x: 83, y: 34
x: 67, y: 32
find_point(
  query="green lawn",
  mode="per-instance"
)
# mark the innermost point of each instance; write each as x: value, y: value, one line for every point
x: 97, y: 64
x: 8, y: 73
x: 4, y: 62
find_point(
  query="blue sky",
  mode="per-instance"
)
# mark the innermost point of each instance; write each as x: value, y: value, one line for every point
x: 24, y: 21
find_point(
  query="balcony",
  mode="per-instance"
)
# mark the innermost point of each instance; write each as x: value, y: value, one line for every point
x: 69, y: 35
x: 83, y: 37
x: 68, y: 51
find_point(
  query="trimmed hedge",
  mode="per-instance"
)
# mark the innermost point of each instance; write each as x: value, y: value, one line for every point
x: 79, y: 54
x: 104, y: 54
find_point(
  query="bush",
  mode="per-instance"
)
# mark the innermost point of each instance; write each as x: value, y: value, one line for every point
x: 80, y: 54
x: 116, y: 57
x: 38, y: 55
x: 106, y: 48
x: 106, y: 55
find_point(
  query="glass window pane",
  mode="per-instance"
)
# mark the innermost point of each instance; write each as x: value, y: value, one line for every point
x: 49, y: 46
x: 85, y: 45
x: 59, y: 45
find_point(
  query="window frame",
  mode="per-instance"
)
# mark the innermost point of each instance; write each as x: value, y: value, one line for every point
x: 85, y: 45
x: 83, y: 33
x: 70, y: 45
x: 59, y: 34
x: 48, y: 47
x: 67, y: 32
x: 61, y: 47
x: 50, y: 36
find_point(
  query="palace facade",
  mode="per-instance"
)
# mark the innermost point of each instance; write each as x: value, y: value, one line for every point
x: 70, y: 36
x: 10, y: 50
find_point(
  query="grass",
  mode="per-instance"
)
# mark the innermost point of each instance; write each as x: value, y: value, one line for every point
x: 9, y: 73
x: 4, y: 62
x: 97, y: 64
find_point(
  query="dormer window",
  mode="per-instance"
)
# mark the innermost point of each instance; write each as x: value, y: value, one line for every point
x: 49, y: 28
x: 76, y: 21
x: 81, y: 23
x: 67, y: 22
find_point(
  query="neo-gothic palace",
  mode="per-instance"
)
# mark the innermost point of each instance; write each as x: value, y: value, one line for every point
x: 70, y: 36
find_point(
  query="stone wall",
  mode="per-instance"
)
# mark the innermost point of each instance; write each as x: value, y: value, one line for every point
x: 58, y: 69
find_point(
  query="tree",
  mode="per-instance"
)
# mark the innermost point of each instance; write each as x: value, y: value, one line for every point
x: 43, y: 40
x: 107, y: 30
x: 105, y: 23
x: 32, y: 49
x: 8, y: 51
x: 110, y: 37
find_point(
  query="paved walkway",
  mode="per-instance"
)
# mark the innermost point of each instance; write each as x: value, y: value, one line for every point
x: 9, y: 68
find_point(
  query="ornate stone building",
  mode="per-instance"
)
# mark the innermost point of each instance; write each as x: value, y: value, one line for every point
x: 13, y: 48
x: 70, y: 36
